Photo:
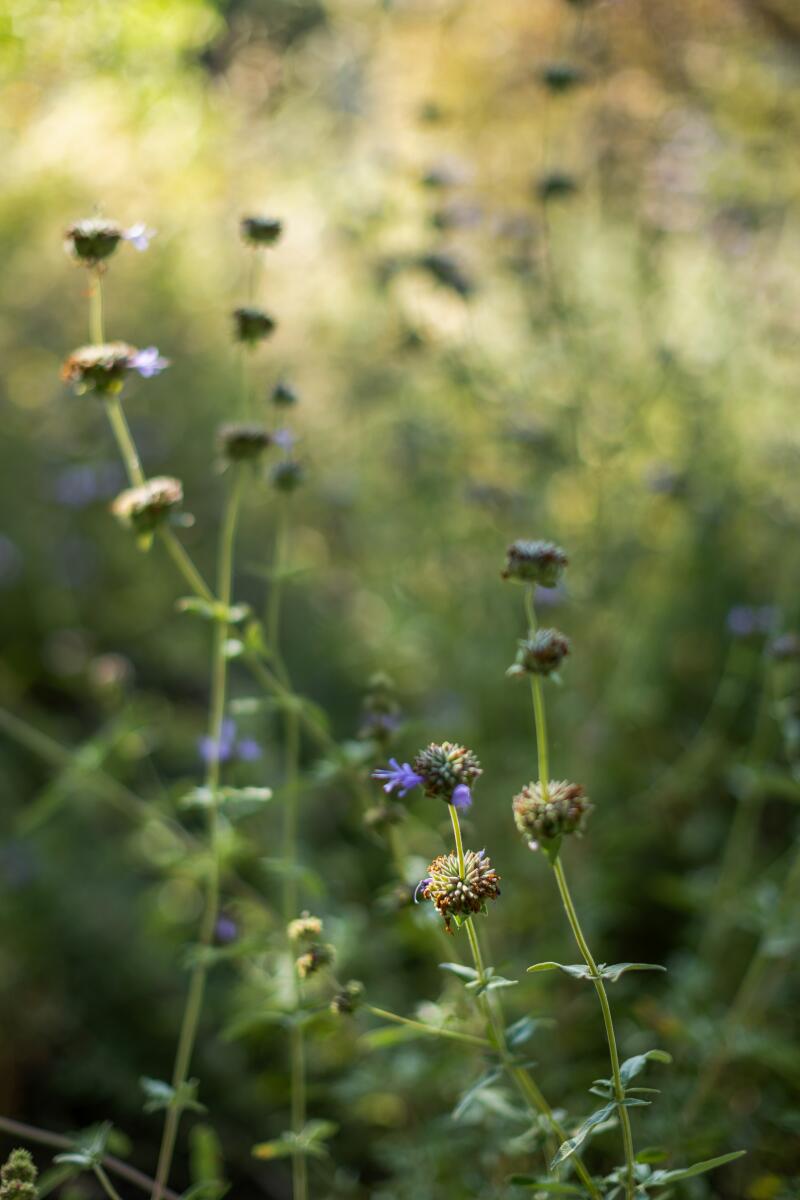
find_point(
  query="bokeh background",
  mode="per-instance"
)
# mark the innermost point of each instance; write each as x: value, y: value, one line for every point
x: 539, y: 278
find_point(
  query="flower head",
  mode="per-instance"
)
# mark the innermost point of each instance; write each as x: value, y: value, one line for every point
x: 261, y: 231
x: 347, y: 1000
x: 561, y: 76
x: 744, y: 621
x: 455, y: 896
x: 448, y: 771
x: 535, y: 562
x: 252, y: 325
x: 139, y: 236
x: 143, y: 508
x: 18, y: 1177
x: 103, y: 367
x: 228, y: 746
x: 148, y: 362
x: 287, y: 475
x: 95, y: 239
x: 541, y: 654
x: 240, y: 441
x: 313, y: 959
x: 544, y: 815
x: 283, y: 395
x: 399, y: 778
x: 304, y: 928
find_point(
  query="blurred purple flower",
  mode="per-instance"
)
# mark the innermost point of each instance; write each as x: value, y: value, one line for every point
x: 246, y: 750
x: 745, y: 621
x: 284, y: 438
x: 139, y: 236
x: 549, y: 597
x: 79, y: 485
x: 148, y: 362
x: 226, y: 930
x: 402, y: 778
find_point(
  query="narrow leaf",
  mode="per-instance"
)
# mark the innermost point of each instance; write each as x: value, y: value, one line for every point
x: 616, y: 970
x: 661, y: 1177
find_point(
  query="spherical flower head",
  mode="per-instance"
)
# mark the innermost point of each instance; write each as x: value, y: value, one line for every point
x: 541, y: 654
x: 261, y: 231
x: 93, y: 240
x: 287, y: 475
x: 348, y: 999
x: 18, y: 1177
x: 448, y: 772
x: 456, y: 897
x: 242, y: 442
x: 103, y: 367
x: 535, y: 562
x: 314, y: 959
x: 252, y: 325
x: 283, y: 396
x: 304, y: 928
x: 143, y: 508
x: 545, y: 816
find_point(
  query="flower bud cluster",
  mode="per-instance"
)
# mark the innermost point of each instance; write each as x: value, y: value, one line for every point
x: 103, y: 368
x: 540, y: 654
x: 535, y: 562
x: 18, y: 1177
x: 242, y: 441
x: 348, y: 999
x: 448, y: 771
x: 93, y: 240
x: 143, y: 508
x: 252, y: 325
x: 303, y: 932
x: 545, y: 815
x: 261, y: 231
x: 456, y: 896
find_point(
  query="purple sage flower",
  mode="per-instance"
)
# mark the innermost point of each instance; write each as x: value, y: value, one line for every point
x: 401, y: 777
x: 244, y: 750
x: 462, y: 796
x: 284, y: 438
x: 744, y: 621
x: 139, y: 236
x: 226, y: 930
x: 148, y: 362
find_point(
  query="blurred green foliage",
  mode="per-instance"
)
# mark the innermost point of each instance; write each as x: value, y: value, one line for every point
x: 515, y: 299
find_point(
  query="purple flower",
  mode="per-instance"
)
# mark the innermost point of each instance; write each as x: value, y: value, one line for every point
x: 148, y: 362
x: 423, y: 883
x: 402, y: 778
x: 246, y: 750
x: 139, y: 236
x: 225, y: 930
x: 744, y: 621
x: 284, y: 438
x: 462, y: 796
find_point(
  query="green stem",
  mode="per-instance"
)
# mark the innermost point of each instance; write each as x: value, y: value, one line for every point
x: 298, y: 1082
x: 96, y: 334
x: 185, y: 565
x: 273, y: 620
x: 106, y: 1183
x: 197, y: 982
x: 537, y: 696
x: 453, y: 1034
x: 523, y: 1080
x: 125, y: 442
x: 619, y: 1090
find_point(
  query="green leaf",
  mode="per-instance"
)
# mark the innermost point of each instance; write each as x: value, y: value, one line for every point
x: 598, y: 1117
x: 307, y: 1141
x: 213, y: 610
x: 651, y: 1154
x: 280, y: 1147
x: 577, y: 971
x: 205, y: 1152
x: 658, y: 1178
x: 614, y: 971
x: 234, y: 802
x: 524, y: 1029
x: 486, y: 1080
x: 161, y: 1095
x: 489, y: 983
x: 89, y: 1147
x: 635, y: 1065
x: 207, y: 1189
x: 468, y: 973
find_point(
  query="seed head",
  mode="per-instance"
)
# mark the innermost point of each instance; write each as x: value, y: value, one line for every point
x: 261, y: 231
x: 287, y: 475
x: 18, y: 1177
x: 348, y: 999
x: 304, y: 928
x: 103, y: 367
x: 535, y: 562
x: 314, y: 959
x: 544, y: 817
x: 252, y: 325
x: 143, y: 508
x: 448, y: 772
x: 283, y: 395
x: 93, y: 240
x: 541, y: 654
x: 241, y: 442
x: 455, y: 897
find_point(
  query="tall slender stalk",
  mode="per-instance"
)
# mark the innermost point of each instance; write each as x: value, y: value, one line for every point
x: 572, y: 917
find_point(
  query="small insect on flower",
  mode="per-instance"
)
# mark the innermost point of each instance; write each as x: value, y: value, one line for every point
x: 454, y: 896
x: 252, y: 325
x: 18, y: 1177
x: 143, y: 508
x: 448, y: 772
x: 242, y: 442
x: 545, y: 815
x: 287, y: 475
x: 535, y: 562
x: 283, y: 396
x: 314, y: 959
x: 95, y: 239
x: 541, y: 654
x: 348, y: 999
x: 261, y: 231
x: 103, y: 368
x: 304, y: 928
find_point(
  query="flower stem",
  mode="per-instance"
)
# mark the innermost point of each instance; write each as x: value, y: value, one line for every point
x: 125, y: 442
x: 194, y: 999
x: 273, y: 616
x: 106, y: 1183
x: 96, y: 334
x: 185, y: 565
x: 494, y: 1028
x: 454, y: 1034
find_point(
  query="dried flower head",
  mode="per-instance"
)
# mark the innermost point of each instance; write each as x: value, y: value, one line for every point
x: 287, y: 475
x: 535, y: 562
x: 448, y: 771
x: 304, y: 928
x: 541, y: 654
x: 283, y: 395
x: 348, y: 998
x: 18, y: 1177
x: 314, y: 959
x: 544, y: 816
x: 95, y: 239
x: 143, y: 508
x: 261, y: 231
x: 104, y: 367
x: 252, y: 325
x: 240, y: 441
x: 456, y: 897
